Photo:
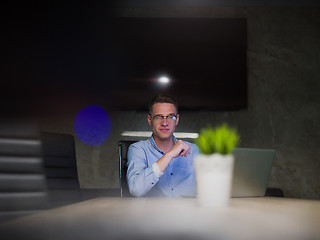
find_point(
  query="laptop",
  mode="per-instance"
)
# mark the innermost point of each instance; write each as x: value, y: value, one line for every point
x: 251, y: 172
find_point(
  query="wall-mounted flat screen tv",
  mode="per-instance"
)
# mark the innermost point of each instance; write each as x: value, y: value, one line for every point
x: 121, y: 63
x: 201, y: 61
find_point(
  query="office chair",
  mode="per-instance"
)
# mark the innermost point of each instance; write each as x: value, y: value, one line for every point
x: 123, y: 150
x: 60, y: 167
x: 22, y: 180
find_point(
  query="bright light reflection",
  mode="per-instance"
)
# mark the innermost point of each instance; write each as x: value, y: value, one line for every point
x: 164, y: 80
x: 149, y: 133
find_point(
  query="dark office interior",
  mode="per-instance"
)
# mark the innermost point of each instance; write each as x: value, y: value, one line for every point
x: 58, y: 57
x: 56, y: 62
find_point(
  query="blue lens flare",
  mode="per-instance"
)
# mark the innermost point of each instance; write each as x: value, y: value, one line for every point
x: 92, y: 125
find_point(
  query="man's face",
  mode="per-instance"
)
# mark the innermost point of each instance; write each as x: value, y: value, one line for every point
x: 162, y: 120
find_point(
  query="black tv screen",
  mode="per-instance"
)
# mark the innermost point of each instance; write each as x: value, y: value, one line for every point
x: 60, y: 62
x: 203, y: 58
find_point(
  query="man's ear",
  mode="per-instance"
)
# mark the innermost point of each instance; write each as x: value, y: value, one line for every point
x: 177, y: 119
x: 149, y: 120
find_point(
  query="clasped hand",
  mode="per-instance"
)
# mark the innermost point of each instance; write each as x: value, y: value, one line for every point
x: 180, y: 148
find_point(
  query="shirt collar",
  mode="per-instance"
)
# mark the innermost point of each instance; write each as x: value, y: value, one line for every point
x: 153, y: 143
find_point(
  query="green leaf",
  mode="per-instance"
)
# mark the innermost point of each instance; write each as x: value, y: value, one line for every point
x: 221, y: 139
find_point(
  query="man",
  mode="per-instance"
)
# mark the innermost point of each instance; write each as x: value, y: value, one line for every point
x: 162, y: 165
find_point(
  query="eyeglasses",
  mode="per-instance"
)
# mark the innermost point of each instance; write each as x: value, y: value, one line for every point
x: 170, y: 118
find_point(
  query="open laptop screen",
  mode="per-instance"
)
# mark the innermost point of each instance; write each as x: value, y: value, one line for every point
x: 252, y: 168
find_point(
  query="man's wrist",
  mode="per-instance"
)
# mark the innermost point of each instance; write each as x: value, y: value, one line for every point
x: 157, y: 170
x: 169, y: 155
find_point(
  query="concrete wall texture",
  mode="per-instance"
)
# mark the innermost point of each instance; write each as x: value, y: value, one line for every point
x: 283, y: 100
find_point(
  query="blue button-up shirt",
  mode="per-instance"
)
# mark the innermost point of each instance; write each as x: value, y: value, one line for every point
x: 177, y: 180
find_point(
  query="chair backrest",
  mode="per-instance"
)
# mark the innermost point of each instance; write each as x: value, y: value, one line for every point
x: 22, y: 180
x: 123, y: 150
x: 60, y: 167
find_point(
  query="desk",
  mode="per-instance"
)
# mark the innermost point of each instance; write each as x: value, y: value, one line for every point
x: 154, y: 218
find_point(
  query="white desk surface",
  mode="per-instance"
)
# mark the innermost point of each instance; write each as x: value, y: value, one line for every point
x: 163, y: 218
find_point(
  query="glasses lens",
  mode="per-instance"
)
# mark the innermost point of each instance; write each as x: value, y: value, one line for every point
x: 172, y: 118
x: 157, y: 118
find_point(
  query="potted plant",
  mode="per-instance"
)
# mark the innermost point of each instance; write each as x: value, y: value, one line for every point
x: 214, y: 164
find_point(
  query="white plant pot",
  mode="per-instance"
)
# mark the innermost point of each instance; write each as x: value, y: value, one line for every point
x: 214, y: 178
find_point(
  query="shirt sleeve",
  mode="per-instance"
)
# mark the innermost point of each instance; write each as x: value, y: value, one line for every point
x: 140, y: 177
x: 157, y: 170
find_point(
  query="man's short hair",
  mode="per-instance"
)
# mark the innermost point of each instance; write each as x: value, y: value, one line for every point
x: 163, y: 98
